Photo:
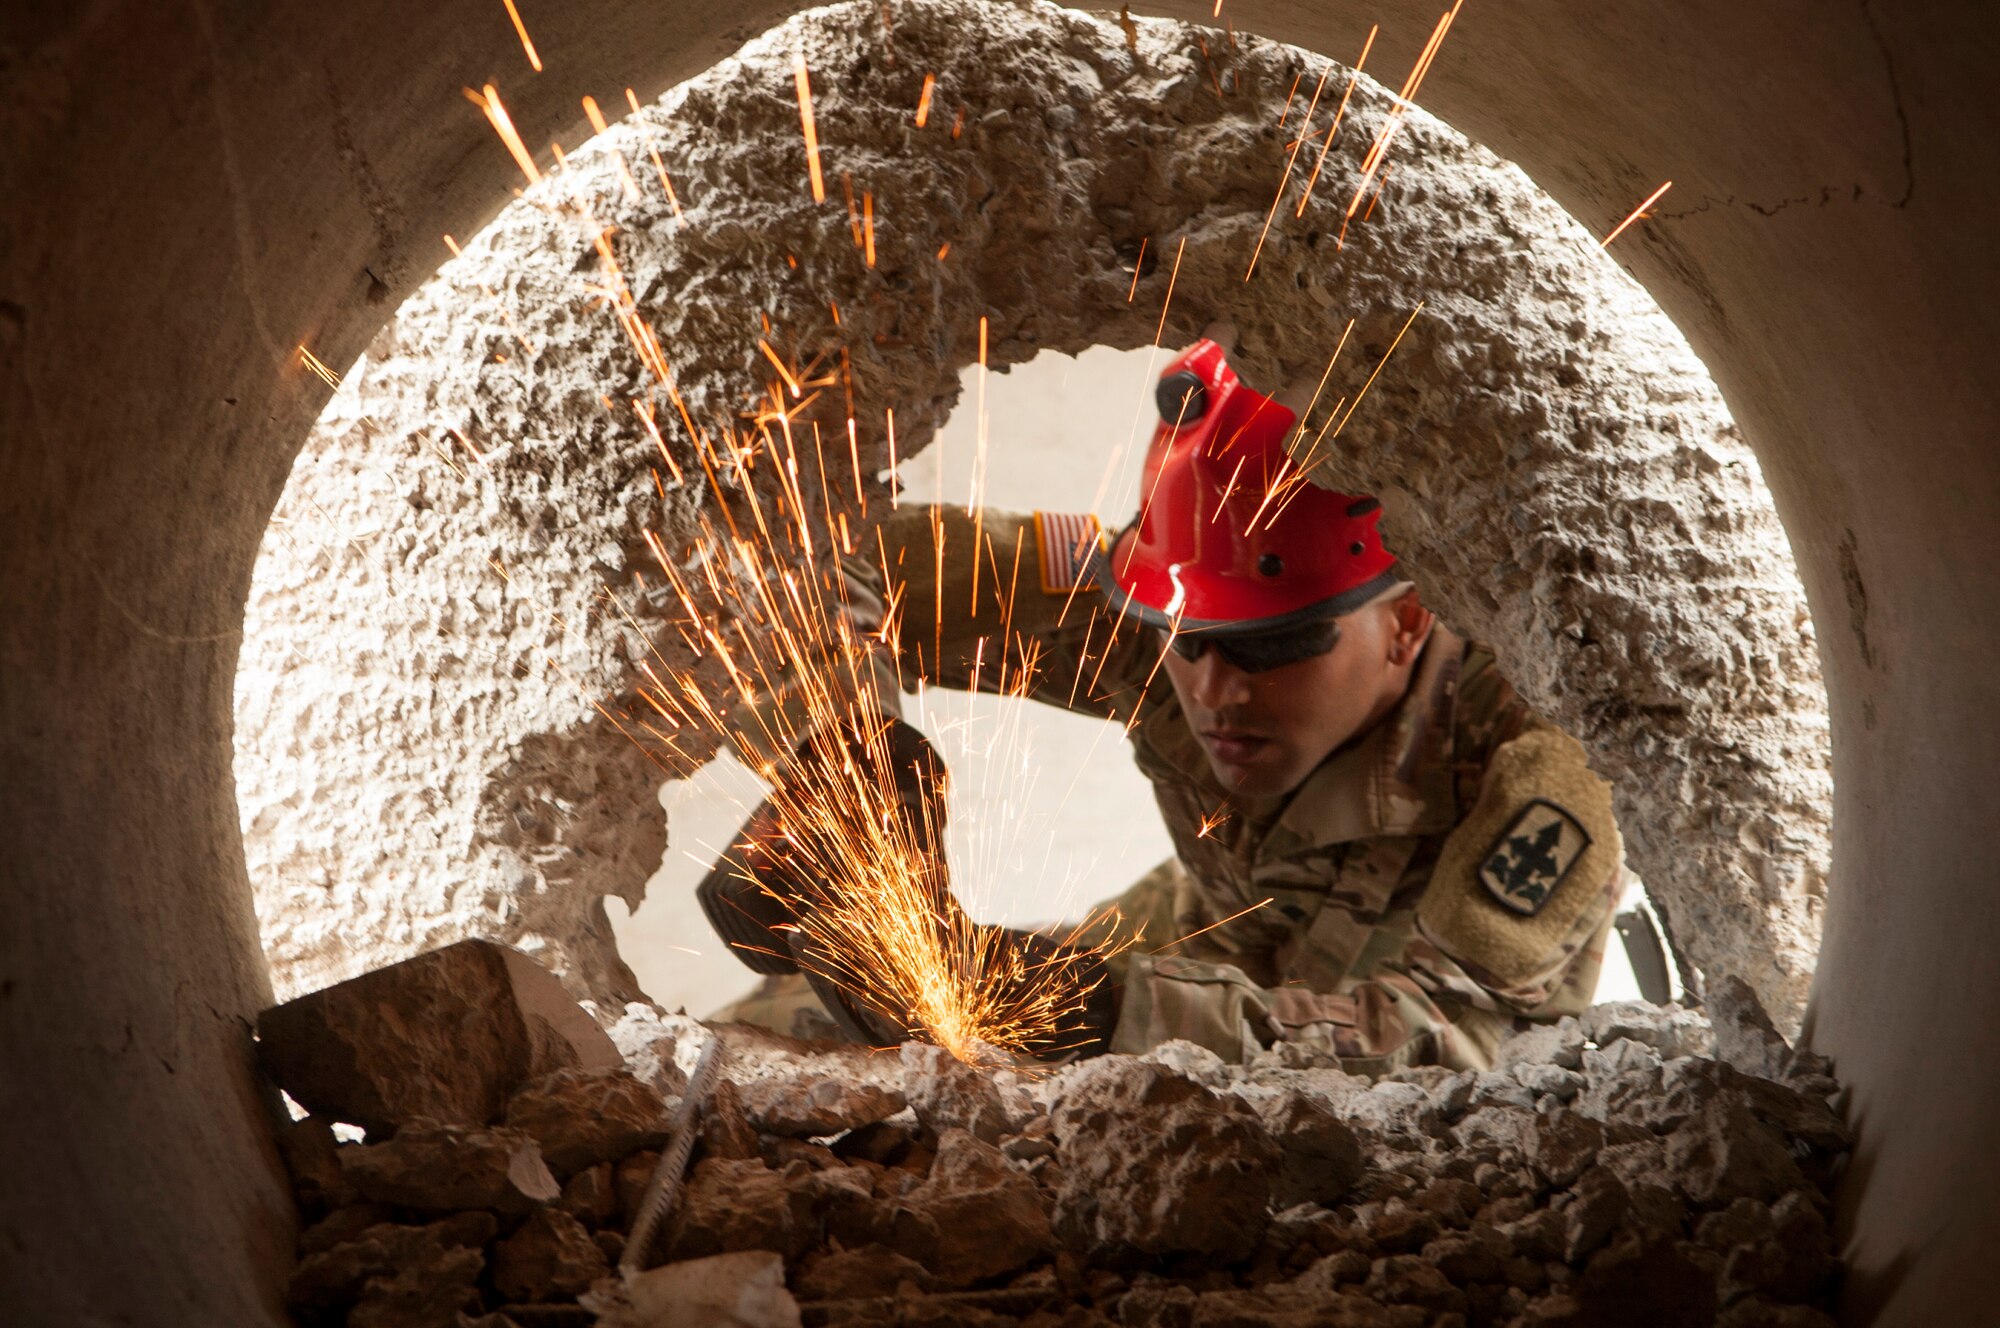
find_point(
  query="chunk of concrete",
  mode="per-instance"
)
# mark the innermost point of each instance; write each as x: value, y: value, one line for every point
x: 818, y: 1107
x: 583, y: 1117
x: 1155, y: 1164
x: 446, y: 1036
x: 975, y: 1217
x: 550, y: 1256
x: 1745, y: 1036
x: 1322, y: 1156
x: 440, y: 1168
x: 949, y: 1094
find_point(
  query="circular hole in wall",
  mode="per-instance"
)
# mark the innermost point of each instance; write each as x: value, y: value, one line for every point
x: 435, y: 711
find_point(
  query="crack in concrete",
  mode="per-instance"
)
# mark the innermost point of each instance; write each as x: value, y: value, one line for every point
x: 232, y: 173
x: 384, y: 215
x: 1857, y: 190
x: 1896, y: 99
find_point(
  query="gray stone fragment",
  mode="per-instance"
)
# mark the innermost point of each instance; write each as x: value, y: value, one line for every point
x: 1559, y: 1044
x: 1496, y: 1129
x: 949, y: 1094
x: 1671, y: 1030
x: 1454, y: 1095
x: 1155, y: 1164
x: 1624, y: 1056
x: 744, y: 1290
x: 438, y: 1168
x: 1724, y: 1152
x: 1192, y: 1060
x: 1395, y: 1108
x: 583, y: 1117
x: 649, y: 1042
x: 1490, y: 1089
x: 1322, y: 1156
x: 817, y: 1107
x: 1744, y: 1034
x: 1545, y: 1080
x: 445, y: 1036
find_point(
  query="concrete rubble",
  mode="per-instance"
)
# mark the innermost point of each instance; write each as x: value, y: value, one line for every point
x: 1610, y: 1171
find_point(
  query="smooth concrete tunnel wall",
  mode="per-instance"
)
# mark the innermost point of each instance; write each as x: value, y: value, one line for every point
x: 190, y: 194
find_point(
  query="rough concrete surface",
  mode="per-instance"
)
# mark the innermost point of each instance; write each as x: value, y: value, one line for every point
x: 1648, y: 1185
x: 417, y: 753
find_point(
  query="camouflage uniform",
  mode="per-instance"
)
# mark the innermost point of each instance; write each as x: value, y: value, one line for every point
x: 1444, y: 878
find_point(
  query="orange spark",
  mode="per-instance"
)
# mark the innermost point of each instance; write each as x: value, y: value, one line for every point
x: 1289, y: 97
x: 522, y: 29
x: 1241, y: 912
x: 943, y: 249
x: 599, y: 125
x: 503, y: 125
x: 313, y: 362
x: 478, y: 457
x: 791, y: 383
x: 1338, y: 115
x: 1637, y: 213
x: 868, y: 225
x: 804, y: 82
x: 924, y: 99
x: 1404, y: 101
x: 1286, y: 179
x: 652, y: 150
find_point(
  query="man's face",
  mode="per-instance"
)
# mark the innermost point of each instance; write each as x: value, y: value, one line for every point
x: 1264, y: 733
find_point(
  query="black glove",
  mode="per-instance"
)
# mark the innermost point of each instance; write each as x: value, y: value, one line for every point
x: 753, y: 894
x: 1084, y: 1030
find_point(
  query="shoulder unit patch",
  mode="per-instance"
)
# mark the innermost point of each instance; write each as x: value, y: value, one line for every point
x: 1532, y: 855
x: 1064, y: 542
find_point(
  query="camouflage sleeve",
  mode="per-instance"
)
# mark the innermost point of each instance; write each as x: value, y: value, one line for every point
x: 948, y: 597
x: 973, y: 605
x: 1525, y: 886
x: 1388, y: 1022
x: 850, y: 663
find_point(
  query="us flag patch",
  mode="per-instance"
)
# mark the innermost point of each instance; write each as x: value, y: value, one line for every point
x: 1065, y: 541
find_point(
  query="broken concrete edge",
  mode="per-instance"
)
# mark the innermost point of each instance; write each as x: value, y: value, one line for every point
x: 1605, y: 1148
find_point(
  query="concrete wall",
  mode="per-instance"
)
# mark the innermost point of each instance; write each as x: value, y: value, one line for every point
x: 191, y: 192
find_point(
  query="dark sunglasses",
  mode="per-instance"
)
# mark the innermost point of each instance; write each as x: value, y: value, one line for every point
x: 1260, y: 652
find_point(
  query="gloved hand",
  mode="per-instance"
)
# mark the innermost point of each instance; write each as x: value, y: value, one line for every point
x: 753, y: 894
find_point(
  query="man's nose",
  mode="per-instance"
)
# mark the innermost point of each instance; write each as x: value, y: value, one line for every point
x: 1218, y: 684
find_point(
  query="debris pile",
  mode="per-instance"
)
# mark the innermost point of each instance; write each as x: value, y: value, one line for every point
x: 1633, y: 1167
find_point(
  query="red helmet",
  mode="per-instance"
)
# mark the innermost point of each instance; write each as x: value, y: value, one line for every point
x: 1231, y: 536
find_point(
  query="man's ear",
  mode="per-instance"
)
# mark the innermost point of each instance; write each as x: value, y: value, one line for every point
x: 1413, y: 623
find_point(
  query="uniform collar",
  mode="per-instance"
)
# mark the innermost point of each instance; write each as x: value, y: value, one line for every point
x: 1396, y: 779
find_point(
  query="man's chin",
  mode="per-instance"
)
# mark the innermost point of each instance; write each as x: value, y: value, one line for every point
x: 1252, y: 781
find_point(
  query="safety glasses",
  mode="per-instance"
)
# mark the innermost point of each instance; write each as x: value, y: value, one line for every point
x: 1260, y: 652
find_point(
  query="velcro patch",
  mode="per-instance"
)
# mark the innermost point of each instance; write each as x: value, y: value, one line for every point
x: 1532, y: 855
x: 1065, y: 541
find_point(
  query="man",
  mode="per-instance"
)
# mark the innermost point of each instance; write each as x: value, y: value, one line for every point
x: 1380, y: 851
